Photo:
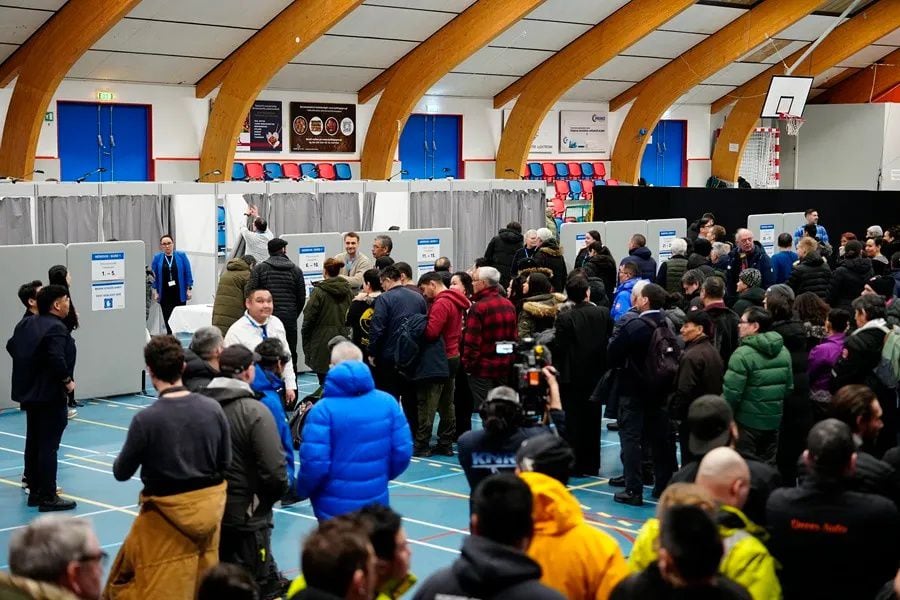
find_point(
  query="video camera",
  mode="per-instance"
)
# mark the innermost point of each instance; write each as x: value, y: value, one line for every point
x: 530, y: 382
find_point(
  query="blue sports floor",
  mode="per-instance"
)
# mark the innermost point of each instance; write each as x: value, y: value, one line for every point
x: 432, y: 495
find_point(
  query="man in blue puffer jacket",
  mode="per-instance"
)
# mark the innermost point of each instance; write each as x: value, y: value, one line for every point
x: 628, y: 276
x: 640, y: 254
x: 355, y: 440
x: 268, y: 382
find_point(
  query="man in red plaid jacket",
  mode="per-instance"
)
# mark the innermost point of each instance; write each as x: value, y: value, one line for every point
x: 491, y: 319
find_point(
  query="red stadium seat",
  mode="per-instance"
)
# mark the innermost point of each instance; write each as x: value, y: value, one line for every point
x: 549, y: 171
x: 255, y: 171
x: 574, y: 170
x: 326, y: 171
x: 612, y: 182
x: 588, y: 189
x: 599, y: 170
x: 291, y: 170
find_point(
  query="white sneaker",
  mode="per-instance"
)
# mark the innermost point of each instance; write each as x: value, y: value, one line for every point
x: 73, y: 412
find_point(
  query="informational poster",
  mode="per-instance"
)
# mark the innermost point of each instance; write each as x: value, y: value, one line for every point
x: 107, y: 266
x: 109, y: 295
x: 544, y: 141
x: 767, y: 237
x: 262, y: 128
x: 579, y: 244
x: 312, y: 263
x: 584, y: 131
x: 321, y: 127
x: 428, y: 250
x: 666, y: 238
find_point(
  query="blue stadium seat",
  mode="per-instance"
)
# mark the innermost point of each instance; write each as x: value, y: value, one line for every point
x: 535, y: 171
x: 562, y: 170
x: 238, y: 172
x: 342, y: 171
x: 273, y: 170
x: 309, y: 170
x: 599, y: 182
x: 575, y: 189
x: 587, y: 170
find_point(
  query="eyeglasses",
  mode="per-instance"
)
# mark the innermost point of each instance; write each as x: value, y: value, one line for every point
x: 102, y: 557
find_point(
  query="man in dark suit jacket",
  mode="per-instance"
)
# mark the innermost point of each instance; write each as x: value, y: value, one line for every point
x: 43, y: 354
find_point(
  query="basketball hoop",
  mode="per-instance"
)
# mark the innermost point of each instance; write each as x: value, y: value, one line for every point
x: 792, y: 123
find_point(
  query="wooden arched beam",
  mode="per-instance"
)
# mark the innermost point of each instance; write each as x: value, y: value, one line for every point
x: 869, y: 26
x: 546, y: 83
x: 867, y: 85
x: 702, y: 61
x: 424, y: 66
x: 40, y: 64
x: 244, y: 74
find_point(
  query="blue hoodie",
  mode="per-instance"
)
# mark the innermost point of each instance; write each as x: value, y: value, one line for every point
x: 355, y: 440
x: 268, y: 383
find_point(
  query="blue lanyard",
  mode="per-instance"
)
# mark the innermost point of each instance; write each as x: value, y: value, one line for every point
x: 169, y: 260
x: 262, y: 328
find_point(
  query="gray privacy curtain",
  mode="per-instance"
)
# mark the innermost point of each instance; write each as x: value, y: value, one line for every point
x: 15, y: 221
x: 473, y: 225
x: 64, y: 220
x: 144, y: 218
x: 291, y: 213
x: 339, y: 211
x: 430, y: 209
x: 368, y: 211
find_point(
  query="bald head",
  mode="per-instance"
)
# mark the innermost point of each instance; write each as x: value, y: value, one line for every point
x: 725, y: 475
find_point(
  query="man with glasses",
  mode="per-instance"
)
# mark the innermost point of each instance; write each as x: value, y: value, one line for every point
x: 758, y: 378
x: 748, y: 254
x: 54, y: 557
x: 491, y: 319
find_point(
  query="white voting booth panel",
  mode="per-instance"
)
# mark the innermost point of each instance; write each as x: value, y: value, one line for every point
x: 791, y: 222
x: 195, y: 235
x: 572, y: 235
x: 661, y: 233
x: 618, y: 234
x: 421, y: 247
x: 765, y: 230
x: 21, y: 264
x: 108, y: 288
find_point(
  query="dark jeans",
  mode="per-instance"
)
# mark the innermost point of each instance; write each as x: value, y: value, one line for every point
x: 168, y: 303
x: 252, y: 550
x: 437, y: 397
x: 45, y: 423
x: 639, y: 425
x: 389, y: 380
x: 462, y: 403
x: 583, y: 428
x: 480, y: 387
x: 756, y: 442
x: 684, y: 435
x: 290, y: 333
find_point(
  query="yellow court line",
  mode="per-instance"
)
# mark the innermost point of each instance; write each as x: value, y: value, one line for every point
x: 90, y: 460
x: 79, y: 499
x: 101, y: 424
x: 587, y: 485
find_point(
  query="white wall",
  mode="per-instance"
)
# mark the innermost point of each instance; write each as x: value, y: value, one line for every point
x: 890, y: 172
x: 179, y: 122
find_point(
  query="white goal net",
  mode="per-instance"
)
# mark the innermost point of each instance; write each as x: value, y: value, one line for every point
x: 760, y: 164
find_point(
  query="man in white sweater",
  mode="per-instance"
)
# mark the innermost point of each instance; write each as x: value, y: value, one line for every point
x: 258, y: 324
x: 257, y: 239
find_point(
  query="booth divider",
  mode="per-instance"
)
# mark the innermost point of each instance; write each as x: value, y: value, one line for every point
x: 660, y: 233
x: 572, y: 235
x: 618, y: 235
x: 765, y: 230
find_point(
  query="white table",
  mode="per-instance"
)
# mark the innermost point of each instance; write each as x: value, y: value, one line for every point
x: 190, y: 318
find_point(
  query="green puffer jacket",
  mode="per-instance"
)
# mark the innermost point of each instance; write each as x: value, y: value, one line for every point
x: 228, y: 305
x: 324, y: 317
x: 758, y: 378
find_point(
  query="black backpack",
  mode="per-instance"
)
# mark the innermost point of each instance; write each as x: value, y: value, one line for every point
x: 661, y: 362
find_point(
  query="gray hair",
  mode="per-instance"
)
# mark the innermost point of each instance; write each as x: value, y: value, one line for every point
x: 345, y: 351
x: 545, y: 234
x: 638, y: 286
x: 530, y: 233
x: 206, y: 341
x: 386, y: 241
x: 679, y: 246
x: 720, y: 249
x: 44, y: 548
x: 489, y: 275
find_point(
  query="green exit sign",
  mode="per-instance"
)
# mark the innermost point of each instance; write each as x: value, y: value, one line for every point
x: 105, y: 96
x: 48, y: 116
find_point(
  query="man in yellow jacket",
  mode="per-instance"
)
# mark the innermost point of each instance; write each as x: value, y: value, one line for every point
x: 579, y: 561
x: 724, y: 475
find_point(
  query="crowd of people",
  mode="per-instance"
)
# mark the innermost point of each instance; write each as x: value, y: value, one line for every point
x: 755, y: 398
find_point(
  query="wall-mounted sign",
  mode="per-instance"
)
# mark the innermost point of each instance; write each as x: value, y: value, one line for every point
x: 544, y: 141
x: 321, y: 127
x: 584, y: 131
x: 105, y: 96
x: 262, y: 128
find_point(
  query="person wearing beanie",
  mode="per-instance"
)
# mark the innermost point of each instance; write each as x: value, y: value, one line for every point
x: 874, y: 231
x: 284, y: 280
x: 699, y: 257
x: 750, y: 292
x: 257, y: 477
x: 576, y: 559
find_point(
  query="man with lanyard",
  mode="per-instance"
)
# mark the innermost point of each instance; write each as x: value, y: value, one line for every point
x: 259, y: 324
x: 173, y: 280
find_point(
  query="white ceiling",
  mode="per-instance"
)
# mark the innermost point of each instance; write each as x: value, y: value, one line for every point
x: 179, y: 41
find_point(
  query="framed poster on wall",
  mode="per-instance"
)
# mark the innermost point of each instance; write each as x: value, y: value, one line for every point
x: 544, y: 141
x: 262, y: 128
x: 321, y: 127
x: 584, y: 131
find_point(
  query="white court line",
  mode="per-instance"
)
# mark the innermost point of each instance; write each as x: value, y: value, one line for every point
x: 71, y: 464
x: 85, y: 515
x: 80, y: 449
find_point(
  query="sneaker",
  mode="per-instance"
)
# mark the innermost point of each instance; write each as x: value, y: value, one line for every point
x: 56, y: 503
x: 630, y: 498
x: 33, y: 500
x: 27, y: 489
x: 73, y: 412
x: 422, y: 452
x: 443, y: 450
x: 617, y: 481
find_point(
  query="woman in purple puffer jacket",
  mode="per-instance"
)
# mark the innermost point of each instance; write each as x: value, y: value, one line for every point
x: 824, y: 356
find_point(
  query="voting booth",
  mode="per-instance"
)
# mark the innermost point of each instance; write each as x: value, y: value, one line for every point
x: 109, y: 290
x: 766, y: 229
x: 572, y: 236
x: 618, y: 235
x: 421, y: 247
x: 661, y: 233
x: 792, y: 221
x: 21, y: 264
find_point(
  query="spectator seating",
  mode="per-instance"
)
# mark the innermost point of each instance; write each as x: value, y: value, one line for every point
x: 309, y: 170
x: 587, y: 187
x: 599, y: 182
x: 587, y: 170
x: 238, y: 172
x: 574, y: 170
x: 612, y: 182
x: 535, y: 171
x: 342, y: 172
x: 291, y: 170
x: 273, y: 170
x: 575, y: 189
x: 255, y: 171
x: 562, y: 189
x: 562, y: 170
x: 599, y: 170
x: 549, y: 172
x: 326, y: 171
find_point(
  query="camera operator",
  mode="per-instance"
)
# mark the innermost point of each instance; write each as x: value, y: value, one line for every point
x: 507, y: 423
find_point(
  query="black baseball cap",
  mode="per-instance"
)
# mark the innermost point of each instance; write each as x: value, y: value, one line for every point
x: 276, y: 244
x: 548, y: 454
x: 709, y: 419
x: 236, y: 359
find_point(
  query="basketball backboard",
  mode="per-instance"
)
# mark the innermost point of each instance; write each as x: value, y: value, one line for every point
x: 787, y: 95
